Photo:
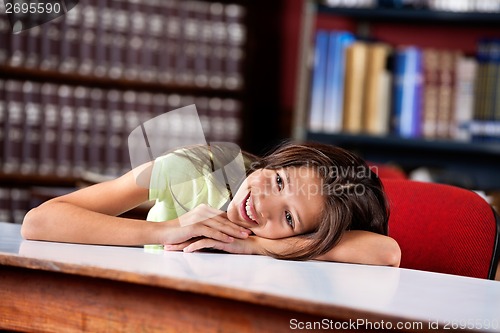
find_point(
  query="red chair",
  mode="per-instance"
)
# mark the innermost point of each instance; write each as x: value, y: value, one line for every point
x: 387, y: 171
x: 444, y: 229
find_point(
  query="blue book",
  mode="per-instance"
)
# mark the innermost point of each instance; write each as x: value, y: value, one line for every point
x: 494, y: 50
x: 318, y: 81
x: 334, y: 85
x: 417, y: 99
x: 407, y: 90
x: 485, y: 130
x: 397, y: 105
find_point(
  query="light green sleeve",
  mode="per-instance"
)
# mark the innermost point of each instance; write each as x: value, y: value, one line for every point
x: 177, y: 186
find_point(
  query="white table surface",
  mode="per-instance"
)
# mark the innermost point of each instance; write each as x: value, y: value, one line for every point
x: 388, y: 292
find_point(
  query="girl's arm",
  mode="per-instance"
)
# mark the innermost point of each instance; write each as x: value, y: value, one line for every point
x: 363, y: 247
x: 360, y: 247
x: 89, y: 216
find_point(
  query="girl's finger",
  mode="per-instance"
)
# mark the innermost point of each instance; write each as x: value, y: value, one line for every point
x: 204, y: 243
x: 177, y: 247
x: 201, y: 230
x: 227, y: 228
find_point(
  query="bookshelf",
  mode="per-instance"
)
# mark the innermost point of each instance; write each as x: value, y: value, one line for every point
x: 457, y: 160
x: 72, y: 89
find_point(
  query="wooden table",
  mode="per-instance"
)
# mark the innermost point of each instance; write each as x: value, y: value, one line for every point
x: 60, y: 287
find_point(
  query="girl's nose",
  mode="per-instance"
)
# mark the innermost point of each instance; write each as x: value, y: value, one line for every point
x: 268, y: 209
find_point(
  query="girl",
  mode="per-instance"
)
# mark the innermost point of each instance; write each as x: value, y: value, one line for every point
x: 303, y: 201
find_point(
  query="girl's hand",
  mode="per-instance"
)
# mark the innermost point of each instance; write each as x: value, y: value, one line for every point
x: 249, y: 245
x: 203, y: 221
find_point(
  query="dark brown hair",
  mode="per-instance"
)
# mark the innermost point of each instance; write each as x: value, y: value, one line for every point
x: 353, y: 194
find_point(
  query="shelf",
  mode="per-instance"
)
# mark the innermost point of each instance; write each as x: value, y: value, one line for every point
x: 470, y: 165
x: 415, y: 15
x: 22, y: 73
x: 485, y: 148
x: 26, y: 180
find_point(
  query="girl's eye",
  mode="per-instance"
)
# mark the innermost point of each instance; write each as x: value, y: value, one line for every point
x: 289, y: 219
x: 279, y: 181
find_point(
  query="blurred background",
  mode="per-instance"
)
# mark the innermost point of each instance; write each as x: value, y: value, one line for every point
x: 411, y: 85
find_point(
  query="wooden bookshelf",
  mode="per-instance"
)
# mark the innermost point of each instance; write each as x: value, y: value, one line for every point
x: 475, y: 162
x: 23, y: 180
x: 22, y: 73
x: 469, y: 165
x: 412, y: 15
x: 255, y: 96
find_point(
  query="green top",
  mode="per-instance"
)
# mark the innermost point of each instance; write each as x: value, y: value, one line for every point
x: 178, y: 185
x: 186, y: 178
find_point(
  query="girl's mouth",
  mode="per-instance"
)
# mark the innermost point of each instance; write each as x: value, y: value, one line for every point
x: 246, y: 210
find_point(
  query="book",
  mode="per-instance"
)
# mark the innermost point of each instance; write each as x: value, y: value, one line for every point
x: 3, y: 120
x: 201, y: 103
x: 18, y: 47
x: 132, y: 120
x: 152, y: 37
x: 217, y: 43
x: 65, y: 131
x: 33, y: 47
x: 375, y: 108
x: 50, y: 123
x: 486, y: 51
x: 466, y: 71
x: 168, y: 44
x: 5, y: 211
x: 137, y: 25
x: 5, y: 35
x: 318, y: 81
x: 203, y: 45
x: 70, y: 41
x: 445, y: 94
x: 485, y: 130
x: 98, y: 121
x: 32, y: 127
x: 334, y: 85
x: 354, y: 91
x: 82, y: 130
x: 114, y: 133
x: 103, y: 37
x: 231, y: 112
x: 88, y: 38
x: 19, y: 203
x: 13, y: 126
x: 117, y: 53
x: 407, y: 90
x: 494, y: 113
x: 51, y: 47
x: 430, y: 92
x: 217, y: 120
x: 236, y: 37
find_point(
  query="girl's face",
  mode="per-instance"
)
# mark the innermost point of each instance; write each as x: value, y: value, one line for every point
x: 278, y: 203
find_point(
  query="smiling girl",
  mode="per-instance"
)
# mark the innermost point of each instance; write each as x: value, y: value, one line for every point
x: 303, y: 201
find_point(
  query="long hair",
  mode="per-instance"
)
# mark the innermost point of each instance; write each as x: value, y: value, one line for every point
x: 353, y: 194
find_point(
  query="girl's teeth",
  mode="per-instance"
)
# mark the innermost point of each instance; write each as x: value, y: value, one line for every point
x: 247, y: 208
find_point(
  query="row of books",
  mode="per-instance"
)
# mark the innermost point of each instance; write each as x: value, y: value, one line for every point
x: 183, y: 42
x: 60, y: 130
x: 373, y: 88
x: 441, y: 5
x: 14, y: 204
x: 15, y: 201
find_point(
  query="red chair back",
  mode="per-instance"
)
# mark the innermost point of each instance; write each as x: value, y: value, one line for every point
x: 442, y: 228
x: 387, y: 171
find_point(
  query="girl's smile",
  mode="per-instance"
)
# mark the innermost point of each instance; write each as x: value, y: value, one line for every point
x: 278, y: 203
x: 247, y: 210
